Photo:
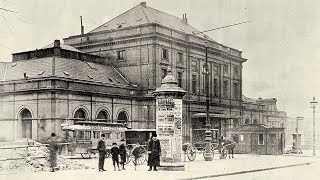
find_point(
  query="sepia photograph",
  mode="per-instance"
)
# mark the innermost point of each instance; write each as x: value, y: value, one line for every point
x: 159, y: 89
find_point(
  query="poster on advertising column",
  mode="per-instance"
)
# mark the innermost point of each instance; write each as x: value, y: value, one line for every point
x: 169, y: 127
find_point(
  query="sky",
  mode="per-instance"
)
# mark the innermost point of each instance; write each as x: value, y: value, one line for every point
x: 281, y: 43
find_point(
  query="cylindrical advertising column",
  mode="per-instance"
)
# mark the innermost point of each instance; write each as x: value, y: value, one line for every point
x: 169, y: 122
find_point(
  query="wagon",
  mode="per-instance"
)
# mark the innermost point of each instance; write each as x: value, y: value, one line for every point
x: 85, y: 135
x: 137, y: 141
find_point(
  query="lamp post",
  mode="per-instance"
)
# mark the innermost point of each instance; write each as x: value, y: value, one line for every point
x: 208, y: 139
x: 313, y: 106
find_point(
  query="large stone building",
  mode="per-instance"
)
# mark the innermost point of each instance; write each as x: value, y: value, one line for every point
x: 110, y: 73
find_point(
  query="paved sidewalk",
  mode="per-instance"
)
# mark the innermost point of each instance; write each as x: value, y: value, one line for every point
x: 196, y: 169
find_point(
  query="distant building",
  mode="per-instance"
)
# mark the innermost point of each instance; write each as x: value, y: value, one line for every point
x: 259, y: 139
x: 306, y: 131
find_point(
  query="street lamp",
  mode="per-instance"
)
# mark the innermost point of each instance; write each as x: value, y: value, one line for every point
x: 313, y: 106
x: 208, y: 139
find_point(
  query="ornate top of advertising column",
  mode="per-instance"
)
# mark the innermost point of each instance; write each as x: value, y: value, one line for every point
x: 169, y: 86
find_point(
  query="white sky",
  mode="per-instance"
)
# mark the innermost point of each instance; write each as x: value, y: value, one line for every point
x: 281, y: 44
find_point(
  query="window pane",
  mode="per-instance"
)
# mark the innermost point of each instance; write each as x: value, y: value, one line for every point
x: 261, y: 140
x: 194, y: 83
x: 180, y: 58
x: 87, y: 135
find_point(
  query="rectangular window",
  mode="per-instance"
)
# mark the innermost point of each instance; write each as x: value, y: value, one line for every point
x: 164, y: 53
x: 236, y: 71
x: 225, y: 69
x: 261, y: 139
x: 225, y: 89
x: 180, y: 58
x: 163, y: 73
x: 241, y: 137
x: 216, y: 87
x: 236, y: 91
x: 80, y: 135
x: 194, y: 65
x: 87, y: 135
x: 180, y: 79
x: 230, y: 123
x: 204, y: 84
x: 108, y: 135
x: 96, y: 134
x: 194, y: 84
x: 216, y: 70
x: 120, y: 54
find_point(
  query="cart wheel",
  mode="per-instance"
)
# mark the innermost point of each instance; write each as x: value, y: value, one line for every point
x: 128, y: 159
x: 191, y: 153
x: 224, y: 153
x: 107, y: 154
x: 86, y: 155
x: 139, y: 154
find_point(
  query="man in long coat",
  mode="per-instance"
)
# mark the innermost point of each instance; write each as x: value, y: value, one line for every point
x: 53, y: 148
x: 123, y: 153
x: 102, y: 153
x: 154, y: 152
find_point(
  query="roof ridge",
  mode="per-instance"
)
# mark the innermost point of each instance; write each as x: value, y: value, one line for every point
x: 114, y: 18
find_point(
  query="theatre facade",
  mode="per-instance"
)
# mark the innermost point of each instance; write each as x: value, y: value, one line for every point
x: 109, y: 74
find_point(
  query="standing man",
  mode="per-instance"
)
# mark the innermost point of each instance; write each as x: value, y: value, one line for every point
x: 102, y: 153
x: 154, y: 152
x: 53, y: 148
x: 123, y: 153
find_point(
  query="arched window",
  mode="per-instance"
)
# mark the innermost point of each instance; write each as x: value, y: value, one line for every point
x: 122, y: 117
x: 80, y: 114
x: 26, y: 123
x: 25, y: 114
x: 103, y: 116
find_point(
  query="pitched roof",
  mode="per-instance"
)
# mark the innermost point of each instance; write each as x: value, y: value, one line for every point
x: 34, y: 68
x: 142, y: 14
x: 63, y: 46
x: 66, y: 68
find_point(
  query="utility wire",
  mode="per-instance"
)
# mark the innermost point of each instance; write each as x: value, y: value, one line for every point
x: 222, y: 27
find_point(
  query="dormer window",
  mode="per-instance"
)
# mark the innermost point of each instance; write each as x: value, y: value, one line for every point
x: 120, y: 54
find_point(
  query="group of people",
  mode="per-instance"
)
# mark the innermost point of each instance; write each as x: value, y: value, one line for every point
x: 116, y: 154
x: 154, y: 153
x: 153, y: 149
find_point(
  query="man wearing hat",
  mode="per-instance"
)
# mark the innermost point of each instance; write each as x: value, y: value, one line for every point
x: 53, y: 148
x: 154, y: 152
x: 102, y: 152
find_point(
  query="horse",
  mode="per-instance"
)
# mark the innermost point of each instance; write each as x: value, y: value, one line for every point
x: 229, y: 144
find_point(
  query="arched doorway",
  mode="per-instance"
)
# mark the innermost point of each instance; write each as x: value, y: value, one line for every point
x: 122, y: 117
x: 80, y: 115
x: 103, y: 115
x: 26, y: 123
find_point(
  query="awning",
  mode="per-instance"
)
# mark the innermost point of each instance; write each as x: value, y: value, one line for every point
x: 222, y: 116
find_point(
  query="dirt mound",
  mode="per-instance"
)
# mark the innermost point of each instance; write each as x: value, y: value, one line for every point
x: 33, y: 159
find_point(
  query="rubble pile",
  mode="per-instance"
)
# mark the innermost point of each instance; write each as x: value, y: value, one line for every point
x: 34, y: 160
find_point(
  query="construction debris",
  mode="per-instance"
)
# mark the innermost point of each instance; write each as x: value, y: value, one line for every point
x: 19, y: 158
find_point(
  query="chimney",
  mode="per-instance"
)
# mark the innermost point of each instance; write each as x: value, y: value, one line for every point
x: 184, y: 18
x: 144, y: 4
x: 82, y: 27
x: 56, y: 43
